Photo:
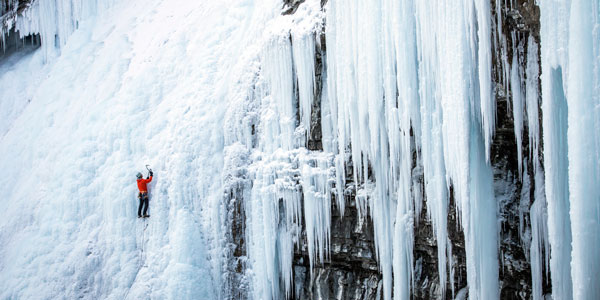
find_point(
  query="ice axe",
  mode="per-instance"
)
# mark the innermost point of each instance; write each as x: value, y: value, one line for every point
x: 149, y: 170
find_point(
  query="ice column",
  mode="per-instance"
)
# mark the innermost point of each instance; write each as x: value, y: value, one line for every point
x: 432, y: 149
x: 316, y: 180
x: 481, y: 239
x: 278, y: 115
x: 554, y: 106
x: 570, y: 88
x: 484, y: 63
x: 583, y: 98
x: 557, y: 182
x: 539, y: 250
x: 304, y: 62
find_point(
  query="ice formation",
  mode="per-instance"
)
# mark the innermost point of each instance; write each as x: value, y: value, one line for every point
x: 378, y: 118
x: 54, y: 20
x: 400, y: 93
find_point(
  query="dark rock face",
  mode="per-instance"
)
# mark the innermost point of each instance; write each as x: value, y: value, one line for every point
x: 236, y: 285
x: 15, y: 6
x: 13, y: 43
x: 315, y: 138
x: 11, y: 8
x: 351, y: 272
x: 425, y: 252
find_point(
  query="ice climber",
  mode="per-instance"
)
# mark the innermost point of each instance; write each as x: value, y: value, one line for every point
x: 143, y: 195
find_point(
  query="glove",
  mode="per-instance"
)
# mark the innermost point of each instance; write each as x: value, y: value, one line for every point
x: 151, y: 174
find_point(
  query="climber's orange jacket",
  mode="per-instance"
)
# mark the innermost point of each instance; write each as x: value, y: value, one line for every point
x: 142, y: 184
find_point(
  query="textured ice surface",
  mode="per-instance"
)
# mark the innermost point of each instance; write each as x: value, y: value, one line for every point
x: 140, y: 82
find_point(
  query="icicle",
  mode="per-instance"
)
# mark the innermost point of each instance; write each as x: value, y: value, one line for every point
x: 284, y: 172
x: 467, y: 170
x: 436, y: 187
x: 524, y: 208
x: 327, y: 125
x: 403, y: 115
x: 517, y: 107
x: 540, y: 248
x: 316, y: 188
x: 304, y: 62
x: 484, y: 55
x: 281, y: 181
x: 274, y: 223
x: 554, y: 107
x: 481, y: 237
x: 373, y: 58
x: 279, y: 121
x: 363, y: 86
x: 532, y: 99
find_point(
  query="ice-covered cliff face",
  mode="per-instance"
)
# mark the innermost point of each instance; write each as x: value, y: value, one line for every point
x: 305, y: 149
x: 407, y: 98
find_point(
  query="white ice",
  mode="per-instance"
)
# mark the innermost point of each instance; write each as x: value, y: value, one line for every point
x: 139, y: 82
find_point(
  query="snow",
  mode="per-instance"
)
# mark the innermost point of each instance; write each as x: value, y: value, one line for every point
x: 25, y: 63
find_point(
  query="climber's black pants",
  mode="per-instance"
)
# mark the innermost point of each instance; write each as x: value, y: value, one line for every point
x: 143, y: 202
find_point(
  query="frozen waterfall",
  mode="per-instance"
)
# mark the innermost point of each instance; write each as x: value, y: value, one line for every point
x: 423, y: 126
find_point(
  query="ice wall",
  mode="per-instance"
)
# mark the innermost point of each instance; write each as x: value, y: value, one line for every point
x: 136, y: 85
